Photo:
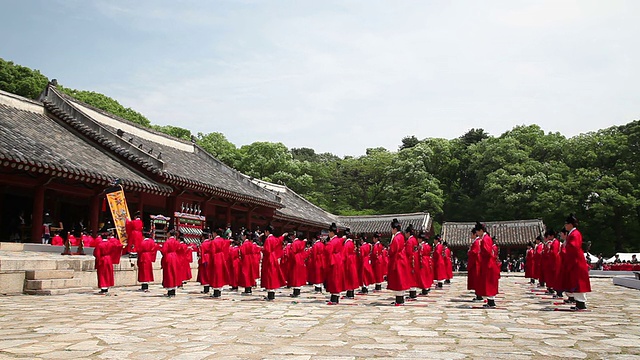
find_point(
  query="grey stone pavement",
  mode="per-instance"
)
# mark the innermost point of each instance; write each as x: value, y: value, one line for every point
x: 134, y: 325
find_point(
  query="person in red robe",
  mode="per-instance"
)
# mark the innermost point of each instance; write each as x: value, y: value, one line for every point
x: 365, y: 269
x: 297, y: 267
x: 87, y: 240
x: 170, y: 263
x: 529, y: 264
x: 271, y: 276
x: 134, y: 234
x: 385, y: 261
x: 105, y: 252
x: 439, y: 271
x: 425, y: 268
x: 248, y: 250
x: 489, y: 271
x: 203, y: 262
x: 575, y: 279
x: 411, y: 249
x: 147, y: 252
x: 448, y: 264
x: 73, y: 241
x: 234, y: 264
x: 285, y: 259
x: 351, y: 281
x: 316, y: 263
x: 219, y: 272
x: 472, y: 264
x: 399, y: 270
x: 334, y: 257
x: 57, y: 240
x: 377, y: 262
x: 553, y: 261
x: 184, y: 270
x: 537, y: 260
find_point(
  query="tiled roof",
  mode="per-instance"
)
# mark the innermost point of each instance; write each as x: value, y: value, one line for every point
x: 382, y: 223
x: 31, y: 141
x: 179, y: 162
x: 296, y: 208
x: 504, y: 233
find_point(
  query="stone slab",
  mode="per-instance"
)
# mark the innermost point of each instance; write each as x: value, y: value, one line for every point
x: 49, y: 274
x: 11, y: 282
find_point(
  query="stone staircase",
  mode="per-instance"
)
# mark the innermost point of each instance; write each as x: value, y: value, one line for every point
x: 53, y: 282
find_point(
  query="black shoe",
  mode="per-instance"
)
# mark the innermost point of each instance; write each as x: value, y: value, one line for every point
x: 247, y: 290
x: 144, y: 287
x: 317, y: 289
x: 216, y: 293
x: 364, y: 290
x: 335, y: 300
x: 206, y: 289
x: 490, y: 304
x: 581, y: 305
x: 413, y: 294
x: 271, y: 295
x: 296, y: 293
x: 439, y: 286
x: 350, y: 294
x: 399, y: 301
x: 478, y: 298
x: 447, y: 281
x: 235, y: 288
x: 378, y: 287
x: 171, y: 293
x: 533, y: 281
x: 570, y: 300
x: 425, y: 292
x: 104, y: 291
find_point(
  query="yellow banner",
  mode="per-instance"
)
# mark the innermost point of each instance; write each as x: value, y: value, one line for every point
x: 119, y: 212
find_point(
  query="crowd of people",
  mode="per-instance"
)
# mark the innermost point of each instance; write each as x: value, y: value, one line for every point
x: 338, y: 263
x: 557, y: 262
x: 345, y: 263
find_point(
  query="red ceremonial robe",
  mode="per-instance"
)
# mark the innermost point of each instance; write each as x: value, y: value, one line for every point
x: 272, y: 277
x: 411, y: 249
x: 219, y: 272
x: 203, y: 262
x: 257, y: 256
x: 57, y: 240
x: 365, y: 269
x: 439, y: 271
x: 87, y: 240
x: 351, y: 279
x: 134, y: 234
x: 472, y: 264
x: 448, y: 264
x: 170, y: 264
x: 285, y: 262
x: 399, y: 270
x: 104, y: 263
x: 246, y: 277
x: 297, y: 268
x: 489, y: 271
x: 575, y: 267
x: 553, y: 262
x: 234, y: 265
x: 334, y: 255
x: 425, y: 268
x: 385, y: 261
x: 316, y: 263
x: 117, y: 250
x: 73, y: 241
x: 529, y: 264
x: 185, y: 259
x: 537, y: 262
x: 96, y: 241
x: 377, y: 263
x: 146, y: 257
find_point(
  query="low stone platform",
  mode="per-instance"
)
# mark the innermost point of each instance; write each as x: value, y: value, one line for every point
x: 630, y: 282
x: 130, y: 324
x: 49, y: 273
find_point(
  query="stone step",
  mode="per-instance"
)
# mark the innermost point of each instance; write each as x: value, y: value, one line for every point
x: 52, y: 284
x: 74, y: 290
x: 15, y: 263
x: 49, y: 274
x: 9, y: 246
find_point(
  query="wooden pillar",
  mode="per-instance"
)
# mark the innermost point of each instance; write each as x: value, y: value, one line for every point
x: 94, y: 214
x: 38, y: 212
x: 228, y: 215
x: 249, y: 218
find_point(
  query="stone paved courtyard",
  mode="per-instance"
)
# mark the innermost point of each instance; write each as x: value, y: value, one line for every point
x: 133, y: 325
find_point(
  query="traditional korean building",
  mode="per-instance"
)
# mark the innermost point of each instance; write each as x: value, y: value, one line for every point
x: 508, y: 235
x: 57, y: 156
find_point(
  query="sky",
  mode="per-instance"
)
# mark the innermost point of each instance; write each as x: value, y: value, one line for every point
x: 341, y: 76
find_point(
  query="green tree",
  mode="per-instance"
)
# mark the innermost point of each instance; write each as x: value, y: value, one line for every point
x: 217, y: 145
x: 21, y: 80
x: 174, y: 131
